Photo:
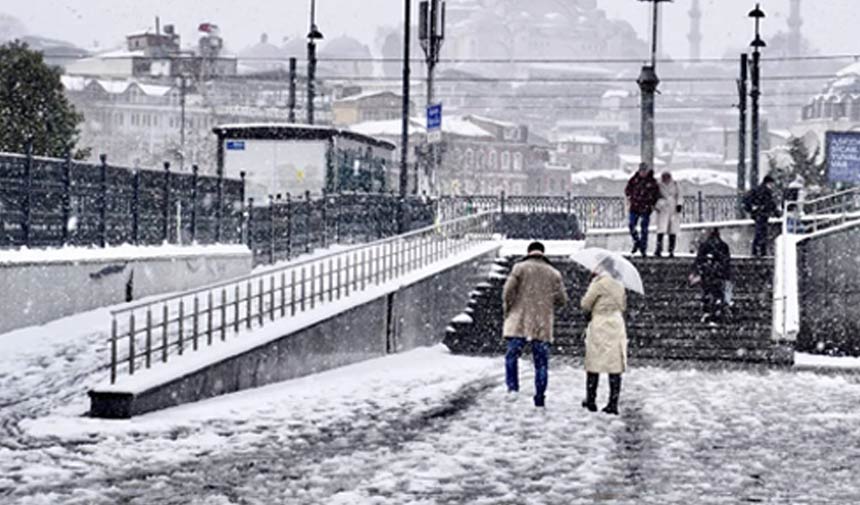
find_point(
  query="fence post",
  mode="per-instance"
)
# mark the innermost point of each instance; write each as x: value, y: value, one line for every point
x: 338, y: 199
x: 308, y: 233
x: 219, y: 207
x: 103, y: 201
x: 165, y: 211
x: 271, y: 230
x: 502, y: 202
x: 194, y: 180
x: 701, y: 206
x: 67, y: 194
x: 28, y: 196
x: 249, y: 227
x: 289, y: 226
x: 324, y: 219
x: 135, y: 207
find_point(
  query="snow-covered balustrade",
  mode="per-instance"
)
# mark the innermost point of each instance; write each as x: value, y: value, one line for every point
x: 147, y: 333
x: 829, y: 210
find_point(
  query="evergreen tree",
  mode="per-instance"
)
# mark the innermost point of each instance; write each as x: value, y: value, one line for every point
x: 33, y: 104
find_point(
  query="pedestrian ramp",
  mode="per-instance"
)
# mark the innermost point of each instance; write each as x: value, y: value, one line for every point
x: 308, y: 316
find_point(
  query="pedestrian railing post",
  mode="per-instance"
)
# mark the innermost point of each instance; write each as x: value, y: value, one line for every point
x: 272, y: 297
x: 67, y: 195
x: 165, y: 326
x: 283, y: 294
x: 194, y: 183
x: 165, y: 211
x: 261, y: 308
x: 209, y: 310
x: 223, y: 314
x: 236, y: 319
x: 701, y: 207
x: 249, y: 227
x: 248, y: 311
x: 148, y: 337
x: 180, y: 337
x: 195, y: 325
x: 135, y: 208
x: 131, y: 349
x: 113, y: 350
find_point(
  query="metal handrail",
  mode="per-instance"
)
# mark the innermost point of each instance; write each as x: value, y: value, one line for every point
x: 186, y: 321
x: 291, y: 265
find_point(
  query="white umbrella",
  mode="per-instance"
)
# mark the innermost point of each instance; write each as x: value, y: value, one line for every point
x: 613, y: 263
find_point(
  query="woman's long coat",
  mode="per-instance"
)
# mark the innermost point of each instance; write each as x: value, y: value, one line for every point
x: 606, y: 336
x: 668, y: 217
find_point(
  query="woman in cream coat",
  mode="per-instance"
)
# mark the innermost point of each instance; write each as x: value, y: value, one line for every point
x: 606, y: 336
x: 668, y: 207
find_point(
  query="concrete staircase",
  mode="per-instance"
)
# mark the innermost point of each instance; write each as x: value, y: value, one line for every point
x: 664, y: 324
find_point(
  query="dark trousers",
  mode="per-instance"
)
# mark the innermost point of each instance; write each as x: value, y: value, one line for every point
x: 760, y: 241
x: 540, y: 355
x: 713, y: 298
x: 640, y: 239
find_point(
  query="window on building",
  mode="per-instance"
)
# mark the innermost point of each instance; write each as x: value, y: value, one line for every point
x: 470, y: 158
x: 482, y: 161
x: 518, y: 161
x: 506, y: 160
x: 493, y: 160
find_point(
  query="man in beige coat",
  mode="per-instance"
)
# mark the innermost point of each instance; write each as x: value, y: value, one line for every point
x: 606, y: 336
x: 532, y: 292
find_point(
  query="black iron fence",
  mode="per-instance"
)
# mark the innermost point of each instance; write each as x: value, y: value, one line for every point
x: 49, y: 202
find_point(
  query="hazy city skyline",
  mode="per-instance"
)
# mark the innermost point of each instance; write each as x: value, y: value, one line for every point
x: 102, y: 24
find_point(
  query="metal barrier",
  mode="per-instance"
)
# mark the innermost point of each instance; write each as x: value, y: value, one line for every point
x: 830, y: 210
x: 155, y: 330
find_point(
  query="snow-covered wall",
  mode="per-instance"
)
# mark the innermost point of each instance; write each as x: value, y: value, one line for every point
x: 828, y: 270
x: 738, y: 234
x: 37, y: 287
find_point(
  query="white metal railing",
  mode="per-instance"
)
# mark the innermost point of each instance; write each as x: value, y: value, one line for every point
x: 143, y: 334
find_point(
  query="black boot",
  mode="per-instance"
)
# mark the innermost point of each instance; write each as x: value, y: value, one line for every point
x: 614, y: 393
x: 659, y: 250
x: 591, y: 381
x: 672, y: 241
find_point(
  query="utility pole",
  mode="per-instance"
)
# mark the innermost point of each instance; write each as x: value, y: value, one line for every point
x: 404, y: 127
x: 742, y: 133
x: 313, y: 35
x: 755, y: 93
x: 431, y: 33
x: 291, y: 101
x: 648, y: 82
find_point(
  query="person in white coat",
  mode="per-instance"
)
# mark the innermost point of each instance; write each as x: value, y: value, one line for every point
x: 606, y: 336
x: 669, y: 207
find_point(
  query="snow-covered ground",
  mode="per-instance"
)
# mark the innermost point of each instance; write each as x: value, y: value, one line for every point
x: 428, y: 427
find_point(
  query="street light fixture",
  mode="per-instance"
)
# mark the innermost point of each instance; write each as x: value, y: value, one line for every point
x: 757, y: 14
x: 648, y: 82
x: 431, y: 34
x: 313, y: 35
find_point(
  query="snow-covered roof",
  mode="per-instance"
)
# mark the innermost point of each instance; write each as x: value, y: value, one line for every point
x: 113, y: 87
x: 616, y: 93
x: 497, y: 122
x: 850, y: 70
x: 119, y: 53
x: 367, y: 94
x: 460, y: 127
x: 387, y: 128
x: 74, y: 83
x: 154, y: 89
x: 584, y: 139
x: 635, y: 159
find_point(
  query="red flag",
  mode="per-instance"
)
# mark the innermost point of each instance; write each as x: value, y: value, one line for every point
x: 208, y: 28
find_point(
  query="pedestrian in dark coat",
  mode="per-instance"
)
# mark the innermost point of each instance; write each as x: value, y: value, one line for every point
x: 713, y: 266
x: 533, y: 291
x: 642, y: 194
x: 760, y: 205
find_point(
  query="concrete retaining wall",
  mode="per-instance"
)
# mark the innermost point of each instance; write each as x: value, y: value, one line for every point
x: 828, y: 270
x: 414, y: 315
x: 37, y: 292
x: 738, y: 234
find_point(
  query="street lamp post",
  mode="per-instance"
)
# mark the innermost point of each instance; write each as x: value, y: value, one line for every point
x: 648, y: 82
x: 431, y: 33
x: 313, y: 35
x: 755, y: 93
x: 404, y: 133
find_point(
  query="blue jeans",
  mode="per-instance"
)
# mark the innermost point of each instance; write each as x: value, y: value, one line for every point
x: 540, y: 355
x: 640, y: 240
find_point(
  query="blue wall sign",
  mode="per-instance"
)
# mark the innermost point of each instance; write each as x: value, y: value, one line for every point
x: 235, y: 145
x: 434, y: 117
x: 843, y: 156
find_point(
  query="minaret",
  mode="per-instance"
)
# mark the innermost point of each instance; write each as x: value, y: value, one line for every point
x: 695, y: 36
x: 794, y: 24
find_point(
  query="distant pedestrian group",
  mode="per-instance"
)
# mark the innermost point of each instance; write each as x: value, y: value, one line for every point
x: 646, y: 195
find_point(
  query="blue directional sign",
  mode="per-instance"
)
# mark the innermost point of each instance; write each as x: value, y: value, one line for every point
x: 843, y: 156
x: 434, y: 117
x: 235, y: 145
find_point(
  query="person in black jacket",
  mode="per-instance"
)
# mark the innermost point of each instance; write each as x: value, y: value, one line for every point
x: 759, y: 204
x: 713, y: 266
